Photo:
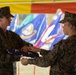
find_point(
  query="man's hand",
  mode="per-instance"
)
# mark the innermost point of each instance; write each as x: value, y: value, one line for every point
x: 25, y: 49
x: 34, y: 49
x: 24, y: 61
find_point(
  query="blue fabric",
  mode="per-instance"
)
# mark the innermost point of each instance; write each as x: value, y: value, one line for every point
x: 38, y: 26
x: 19, y: 53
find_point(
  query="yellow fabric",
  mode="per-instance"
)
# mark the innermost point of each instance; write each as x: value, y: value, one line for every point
x: 19, y: 8
x: 15, y: 0
x: 36, y: 1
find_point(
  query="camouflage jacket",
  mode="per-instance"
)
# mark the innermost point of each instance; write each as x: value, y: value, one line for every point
x: 9, y: 40
x: 62, y: 58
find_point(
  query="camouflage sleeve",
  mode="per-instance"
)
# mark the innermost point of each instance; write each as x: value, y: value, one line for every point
x: 46, y: 60
x: 44, y: 52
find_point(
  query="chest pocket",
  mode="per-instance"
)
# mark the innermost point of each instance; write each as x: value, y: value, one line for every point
x: 67, y: 60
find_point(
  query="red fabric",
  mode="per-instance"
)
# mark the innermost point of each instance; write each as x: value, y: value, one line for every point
x: 52, y: 7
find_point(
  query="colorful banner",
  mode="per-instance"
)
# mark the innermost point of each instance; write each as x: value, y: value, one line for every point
x: 27, y: 8
x: 53, y: 33
x: 33, y: 29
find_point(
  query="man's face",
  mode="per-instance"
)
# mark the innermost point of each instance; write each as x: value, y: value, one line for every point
x: 66, y: 28
x: 4, y: 21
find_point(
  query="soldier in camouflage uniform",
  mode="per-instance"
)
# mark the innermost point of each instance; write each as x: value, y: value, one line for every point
x: 63, y: 56
x: 8, y: 41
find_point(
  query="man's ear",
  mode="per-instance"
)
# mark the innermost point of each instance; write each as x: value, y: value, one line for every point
x: 71, y: 26
x: 0, y: 20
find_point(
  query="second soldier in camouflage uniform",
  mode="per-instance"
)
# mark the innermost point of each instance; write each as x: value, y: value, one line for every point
x: 62, y: 58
